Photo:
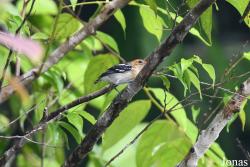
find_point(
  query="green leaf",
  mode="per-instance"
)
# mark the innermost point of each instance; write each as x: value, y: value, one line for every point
x: 152, y: 23
x: 67, y: 96
x: 227, y: 98
x: 195, y: 81
x: 246, y: 55
x: 44, y: 23
x: 40, y: 100
x: 241, y: 5
x: 197, y: 59
x: 178, y: 111
x: 127, y: 120
x: 71, y: 130
x: 216, y: 155
x: 121, y: 19
x: 194, y: 69
x: 107, y: 40
x: 242, y: 114
x: 196, y: 33
x: 93, y: 43
x: 229, y: 123
x: 110, y: 97
x: 185, y: 64
x: 176, y: 68
x: 66, y: 26
x: 191, y: 131
x: 165, y: 81
x: 152, y: 4
x: 51, y: 162
x: 160, y: 145
x: 54, y: 78
x: 195, y: 113
x: 71, y: 65
x: 40, y: 36
x: 73, y: 3
x: 41, y: 7
x: 128, y: 157
x: 95, y: 68
x: 205, y: 21
x: 193, y: 30
x: 186, y: 80
x: 98, y: 102
x: 215, y: 158
x: 4, y: 121
x: 210, y: 70
x: 76, y: 121
x: 13, y: 23
x: 53, y: 135
x: 88, y: 117
x: 215, y: 147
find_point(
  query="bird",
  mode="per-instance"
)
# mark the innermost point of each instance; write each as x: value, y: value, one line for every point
x: 122, y: 73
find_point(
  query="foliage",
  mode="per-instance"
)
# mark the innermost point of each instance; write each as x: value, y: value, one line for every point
x: 167, y: 141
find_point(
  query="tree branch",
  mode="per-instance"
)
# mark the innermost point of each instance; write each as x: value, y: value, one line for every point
x: 57, y: 114
x: 68, y: 45
x: 121, y: 101
x: 211, y: 133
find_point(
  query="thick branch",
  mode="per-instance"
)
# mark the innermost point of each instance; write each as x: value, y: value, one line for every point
x: 211, y: 133
x: 57, y: 114
x: 121, y: 101
x: 68, y: 45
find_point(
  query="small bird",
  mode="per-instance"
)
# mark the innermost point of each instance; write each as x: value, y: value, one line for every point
x: 122, y: 73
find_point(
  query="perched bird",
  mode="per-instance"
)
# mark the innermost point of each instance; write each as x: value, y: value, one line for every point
x: 122, y: 73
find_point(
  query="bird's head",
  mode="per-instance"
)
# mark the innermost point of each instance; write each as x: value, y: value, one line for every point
x: 138, y: 64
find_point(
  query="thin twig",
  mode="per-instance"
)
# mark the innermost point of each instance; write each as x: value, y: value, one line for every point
x: 141, y: 132
x: 43, y: 147
x: 208, y: 84
x: 111, y: 50
x: 245, y: 152
x: 21, y: 115
x: 211, y: 133
x: 121, y: 101
x: 165, y: 111
x: 133, y: 140
x: 51, y: 39
x: 89, y: 29
x: 28, y: 139
x: 45, y: 121
x: 177, y: 12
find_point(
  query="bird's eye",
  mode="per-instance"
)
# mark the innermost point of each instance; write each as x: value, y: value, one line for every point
x: 140, y: 61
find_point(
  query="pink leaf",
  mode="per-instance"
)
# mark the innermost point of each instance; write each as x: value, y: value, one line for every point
x: 28, y: 47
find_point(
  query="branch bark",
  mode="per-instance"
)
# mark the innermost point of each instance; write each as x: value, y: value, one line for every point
x: 121, y: 101
x: 57, y: 114
x: 89, y: 29
x: 211, y: 133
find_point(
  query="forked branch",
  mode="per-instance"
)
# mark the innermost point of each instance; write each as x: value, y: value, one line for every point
x: 121, y: 101
x: 211, y: 133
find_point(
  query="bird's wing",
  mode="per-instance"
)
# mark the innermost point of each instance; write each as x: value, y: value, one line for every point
x: 120, y: 68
